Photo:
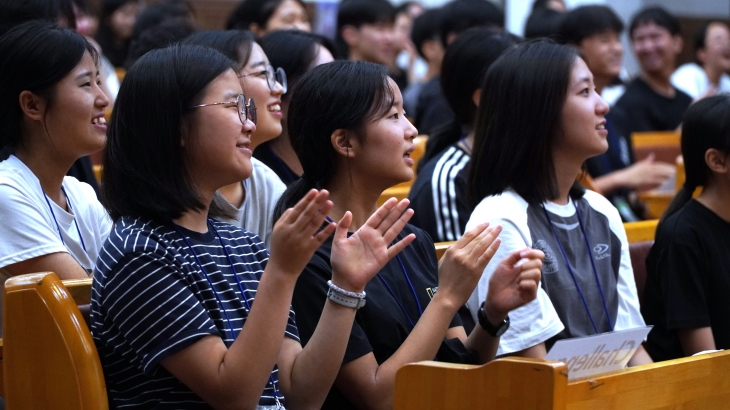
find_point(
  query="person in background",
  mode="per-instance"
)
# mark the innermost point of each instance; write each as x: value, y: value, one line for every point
x: 265, y: 16
x: 595, y: 31
x: 347, y: 126
x: 51, y: 114
x: 438, y: 195
x: 168, y: 32
x: 651, y: 102
x: 366, y: 32
x: 543, y: 23
x: 427, y: 42
x: 587, y: 285
x: 557, y: 5
x: 688, y: 267
x: 710, y: 74
x: 115, y: 29
x: 296, y: 52
x: 250, y: 203
x: 432, y: 110
x: 407, y: 62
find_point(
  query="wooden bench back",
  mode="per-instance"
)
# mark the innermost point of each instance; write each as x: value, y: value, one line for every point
x: 50, y: 360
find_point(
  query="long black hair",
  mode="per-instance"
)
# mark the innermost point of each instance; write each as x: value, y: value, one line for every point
x: 465, y: 64
x: 518, y: 121
x: 705, y: 125
x: 339, y: 95
x: 36, y: 55
x: 144, y: 153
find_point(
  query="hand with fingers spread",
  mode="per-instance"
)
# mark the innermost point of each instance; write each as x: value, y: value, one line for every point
x: 514, y: 283
x: 463, y: 263
x: 298, y: 233
x: 359, y: 257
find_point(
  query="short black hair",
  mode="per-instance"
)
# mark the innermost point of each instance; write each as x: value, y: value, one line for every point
x: 543, y: 23
x: 168, y: 32
x: 144, y: 153
x: 586, y: 21
x: 157, y: 14
x: 36, y: 56
x: 294, y: 51
x: 355, y: 13
x: 339, y: 95
x: 658, y: 16
x: 426, y: 27
x: 518, y: 121
x: 234, y: 44
x: 460, y: 15
x: 253, y: 11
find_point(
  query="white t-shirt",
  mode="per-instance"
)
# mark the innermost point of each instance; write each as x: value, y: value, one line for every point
x: 692, y: 79
x: 558, y: 311
x: 263, y: 189
x: 28, y: 225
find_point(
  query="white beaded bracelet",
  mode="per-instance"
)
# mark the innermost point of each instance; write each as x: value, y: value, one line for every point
x: 344, y: 292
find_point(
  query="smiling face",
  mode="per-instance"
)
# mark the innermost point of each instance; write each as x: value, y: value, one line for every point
x: 604, y: 53
x: 655, y: 48
x: 218, y: 146
x: 289, y: 15
x: 268, y: 102
x: 582, y: 121
x: 716, y: 54
x: 75, y: 118
x: 383, y: 154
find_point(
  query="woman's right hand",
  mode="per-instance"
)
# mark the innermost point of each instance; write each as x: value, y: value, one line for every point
x: 463, y: 263
x: 358, y: 258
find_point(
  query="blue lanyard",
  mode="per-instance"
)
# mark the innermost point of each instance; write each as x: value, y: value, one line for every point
x: 392, y: 293
x: 217, y: 297
x: 68, y: 201
x: 572, y: 274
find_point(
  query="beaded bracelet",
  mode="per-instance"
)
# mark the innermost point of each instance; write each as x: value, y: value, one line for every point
x: 345, y: 298
x: 344, y: 292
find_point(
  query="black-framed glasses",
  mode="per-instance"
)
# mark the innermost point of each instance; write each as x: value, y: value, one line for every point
x: 246, y: 110
x: 273, y: 76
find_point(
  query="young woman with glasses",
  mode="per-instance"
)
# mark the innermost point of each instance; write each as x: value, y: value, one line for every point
x: 187, y: 310
x: 51, y: 114
x: 348, y: 128
x: 530, y: 142
x: 250, y: 203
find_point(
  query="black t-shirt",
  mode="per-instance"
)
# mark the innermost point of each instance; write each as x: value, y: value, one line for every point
x: 688, y: 281
x: 641, y: 108
x: 438, y: 196
x: 380, y: 326
x: 266, y: 154
x: 433, y: 110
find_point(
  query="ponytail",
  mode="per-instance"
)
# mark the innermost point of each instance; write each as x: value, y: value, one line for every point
x: 293, y: 194
x: 681, y: 198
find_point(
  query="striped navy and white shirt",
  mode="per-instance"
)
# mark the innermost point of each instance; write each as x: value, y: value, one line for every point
x: 438, y: 196
x: 150, y: 299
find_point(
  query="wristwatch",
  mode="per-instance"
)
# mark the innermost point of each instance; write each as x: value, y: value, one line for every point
x: 494, y: 331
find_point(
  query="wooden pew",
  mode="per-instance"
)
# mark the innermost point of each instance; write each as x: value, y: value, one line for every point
x: 641, y: 231
x: 699, y: 382
x: 665, y: 145
x: 50, y: 360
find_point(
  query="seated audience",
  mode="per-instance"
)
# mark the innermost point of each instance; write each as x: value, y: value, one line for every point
x: 115, y: 28
x: 250, y: 203
x: 688, y: 266
x: 366, y: 32
x: 265, y: 16
x: 543, y: 23
x: 296, y: 52
x: 587, y: 284
x: 427, y: 42
x: 51, y: 114
x: 432, y: 109
x: 595, y: 31
x: 651, y: 102
x: 557, y: 5
x: 191, y: 312
x: 439, y: 193
x: 349, y: 131
x: 710, y: 75
x: 168, y: 32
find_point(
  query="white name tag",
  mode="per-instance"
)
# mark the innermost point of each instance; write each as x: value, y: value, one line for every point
x: 591, y: 355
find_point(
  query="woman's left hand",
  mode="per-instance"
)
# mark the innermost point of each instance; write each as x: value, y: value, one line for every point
x: 514, y: 283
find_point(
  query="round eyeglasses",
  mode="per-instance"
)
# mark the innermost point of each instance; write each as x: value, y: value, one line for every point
x: 246, y: 110
x: 273, y: 76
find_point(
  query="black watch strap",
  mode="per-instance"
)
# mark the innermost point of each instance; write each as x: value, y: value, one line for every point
x: 494, y: 331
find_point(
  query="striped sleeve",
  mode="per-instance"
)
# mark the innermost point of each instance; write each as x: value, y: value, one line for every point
x: 153, y: 310
x: 448, y: 196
